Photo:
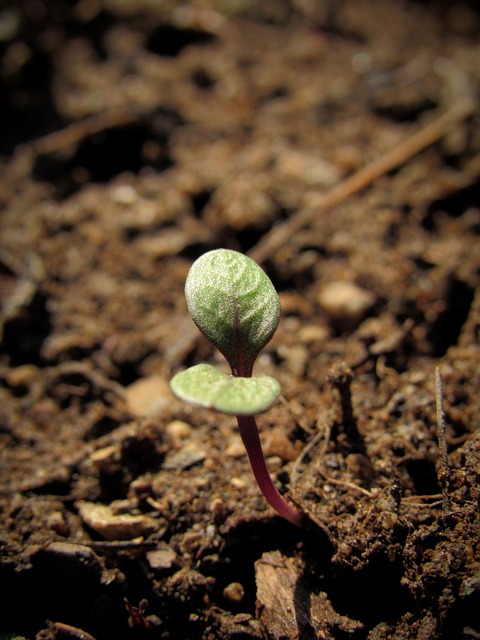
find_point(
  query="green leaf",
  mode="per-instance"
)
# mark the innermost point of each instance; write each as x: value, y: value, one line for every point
x: 206, y: 386
x: 234, y: 304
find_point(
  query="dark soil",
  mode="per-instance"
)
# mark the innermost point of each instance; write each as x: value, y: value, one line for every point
x: 135, y: 136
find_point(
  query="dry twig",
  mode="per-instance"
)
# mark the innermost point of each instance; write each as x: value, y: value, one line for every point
x: 77, y: 131
x: 444, y: 469
x: 321, y: 203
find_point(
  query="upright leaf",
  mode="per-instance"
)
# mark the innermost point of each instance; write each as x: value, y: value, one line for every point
x: 234, y: 304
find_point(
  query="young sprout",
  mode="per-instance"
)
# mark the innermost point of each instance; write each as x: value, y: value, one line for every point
x: 234, y: 304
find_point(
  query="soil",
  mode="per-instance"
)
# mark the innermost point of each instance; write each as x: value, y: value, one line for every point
x: 338, y: 144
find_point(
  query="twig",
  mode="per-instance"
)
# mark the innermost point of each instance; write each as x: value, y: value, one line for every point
x: 348, y: 486
x: 307, y: 450
x: 65, y: 630
x: 324, y: 434
x: 321, y: 203
x: 77, y: 131
x: 297, y: 418
x: 444, y: 469
x: 428, y: 496
x: 118, y: 545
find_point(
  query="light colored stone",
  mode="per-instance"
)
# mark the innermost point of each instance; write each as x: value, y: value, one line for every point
x: 345, y: 302
x: 296, y: 358
x: 148, y: 396
x: 162, y: 558
x: 234, y: 592
x: 178, y: 431
x: 187, y: 457
x: 313, y: 333
x: 308, y: 168
x: 111, y: 526
x: 235, y: 448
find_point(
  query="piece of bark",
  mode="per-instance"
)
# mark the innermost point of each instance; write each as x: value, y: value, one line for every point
x: 286, y: 606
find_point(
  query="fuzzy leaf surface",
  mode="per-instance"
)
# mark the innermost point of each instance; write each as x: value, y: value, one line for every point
x: 234, y: 304
x: 206, y: 386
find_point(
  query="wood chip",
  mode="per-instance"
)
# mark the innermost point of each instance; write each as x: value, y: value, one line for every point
x: 113, y: 526
x: 286, y: 606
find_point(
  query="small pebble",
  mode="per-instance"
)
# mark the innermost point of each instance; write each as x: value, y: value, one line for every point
x: 345, y: 303
x: 187, y: 457
x: 308, y: 168
x: 113, y: 526
x: 124, y: 194
x: 78, y: 555
x: 56, y: 522
x: 162, y: 558
x: 360, y: 466
x: 218, y: 508
x: 107, y: 456
x: 238, y: 483
x: 278, y: 444
x: 296, y: 358
x: 388, y: 519
x: 23, y: 375
x: 234, y: 592
x: 235, y: 448
x: 313, y: 333
x: 148, y: 396
x: 178, y: 431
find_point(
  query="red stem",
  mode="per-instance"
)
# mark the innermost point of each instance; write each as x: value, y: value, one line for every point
x: 251, y: 440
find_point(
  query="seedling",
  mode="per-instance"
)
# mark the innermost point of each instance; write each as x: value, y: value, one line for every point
x: 234, y: 304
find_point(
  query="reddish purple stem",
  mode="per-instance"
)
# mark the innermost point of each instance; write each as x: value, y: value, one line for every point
x: 251, y: 440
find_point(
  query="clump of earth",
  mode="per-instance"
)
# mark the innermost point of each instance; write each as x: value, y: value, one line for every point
x: 338, y: 145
